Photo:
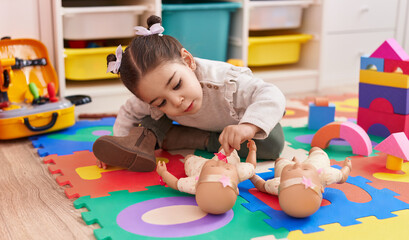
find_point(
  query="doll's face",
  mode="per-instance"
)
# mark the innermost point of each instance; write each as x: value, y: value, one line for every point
x: 299, y: 170
x: 299, y: 202
x: 172, y: 87
x: 213, y: 197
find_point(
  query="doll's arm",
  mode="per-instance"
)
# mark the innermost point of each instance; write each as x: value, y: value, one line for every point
x: 259, y: 183
x: 251, y: 157
x: 167, y: 177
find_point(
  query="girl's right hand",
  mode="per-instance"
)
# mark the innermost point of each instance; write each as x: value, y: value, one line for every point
x: 102, y: 164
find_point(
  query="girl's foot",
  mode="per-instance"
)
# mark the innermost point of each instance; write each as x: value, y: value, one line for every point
x: 135, y: 152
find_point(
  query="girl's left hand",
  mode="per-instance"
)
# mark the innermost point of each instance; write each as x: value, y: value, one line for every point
x: 233, y: 135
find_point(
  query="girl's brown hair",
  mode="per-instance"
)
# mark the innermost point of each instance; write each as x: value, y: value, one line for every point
x: 144, y: 53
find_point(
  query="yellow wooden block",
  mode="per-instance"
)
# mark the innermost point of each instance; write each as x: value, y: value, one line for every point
x: 397, y: 80
x: 370, y: 228
x: 394, y: 163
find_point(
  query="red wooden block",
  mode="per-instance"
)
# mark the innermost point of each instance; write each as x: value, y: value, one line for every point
x: 392, y: 65
x: 393, y: 122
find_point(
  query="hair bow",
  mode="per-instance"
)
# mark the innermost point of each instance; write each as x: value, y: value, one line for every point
x: 154, y: 29
x: 113, y: 66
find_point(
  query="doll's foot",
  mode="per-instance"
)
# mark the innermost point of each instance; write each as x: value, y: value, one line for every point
x: 346, y: 170
x: 135, y: 152
x: 314, y: 149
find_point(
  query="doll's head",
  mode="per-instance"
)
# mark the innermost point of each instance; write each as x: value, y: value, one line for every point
x: 159, y: 71
x: 300, y: 190
x: 216, y: 189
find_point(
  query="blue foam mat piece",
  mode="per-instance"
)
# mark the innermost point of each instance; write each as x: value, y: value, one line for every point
x: 76, y: 138
x: 341, y: 210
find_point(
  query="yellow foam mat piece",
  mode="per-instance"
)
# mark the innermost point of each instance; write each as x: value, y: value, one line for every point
x: 370, y: 228
x: 347, y: 105
x: 395, y: 177
x: 93, y: 172
x: 397, y: 80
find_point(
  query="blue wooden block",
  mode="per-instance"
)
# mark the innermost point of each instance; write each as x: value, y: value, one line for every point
x: 368, y: 62
x: 319, y: 116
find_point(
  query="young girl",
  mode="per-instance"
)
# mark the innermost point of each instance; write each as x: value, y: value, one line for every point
x: 215, y: 103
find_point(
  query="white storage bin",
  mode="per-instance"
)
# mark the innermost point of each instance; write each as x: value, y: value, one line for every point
x: 268, y: 15
x: 100, y: 22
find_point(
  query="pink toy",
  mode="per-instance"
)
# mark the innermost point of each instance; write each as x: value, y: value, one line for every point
x: 352, y: 133
x: 397, y: 148
x: 390, y: 49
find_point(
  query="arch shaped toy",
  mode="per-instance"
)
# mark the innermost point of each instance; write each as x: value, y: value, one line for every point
x: 351, y: 132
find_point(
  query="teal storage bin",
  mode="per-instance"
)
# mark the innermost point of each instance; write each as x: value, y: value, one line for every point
x: 202, y: 28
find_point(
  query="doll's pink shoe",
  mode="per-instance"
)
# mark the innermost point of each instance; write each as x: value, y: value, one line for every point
x: 135, y: 152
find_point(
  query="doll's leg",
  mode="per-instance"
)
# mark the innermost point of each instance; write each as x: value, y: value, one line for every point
x: 135, y: 151
x: 267, y: 149
x: 318, y: 158
x: 258, y: 182
x: 346, y: 169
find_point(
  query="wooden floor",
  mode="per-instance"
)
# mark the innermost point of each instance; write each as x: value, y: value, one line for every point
x: 34, y: 206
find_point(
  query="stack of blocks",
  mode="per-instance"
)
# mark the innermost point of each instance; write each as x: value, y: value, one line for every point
x: 384, y: 91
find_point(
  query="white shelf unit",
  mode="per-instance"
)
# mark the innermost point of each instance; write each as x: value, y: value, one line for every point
x: 107, y: 95
x: 298, y: 77
x: 342, y: 32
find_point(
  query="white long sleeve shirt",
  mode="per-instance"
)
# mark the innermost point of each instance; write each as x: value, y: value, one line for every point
x: 231, y: 95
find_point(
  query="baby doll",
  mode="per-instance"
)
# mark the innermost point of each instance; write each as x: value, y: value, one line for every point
x: 213, y: 181
x: 299, y: 185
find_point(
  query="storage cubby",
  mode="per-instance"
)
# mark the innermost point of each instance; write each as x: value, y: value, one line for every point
x: 85, y: 32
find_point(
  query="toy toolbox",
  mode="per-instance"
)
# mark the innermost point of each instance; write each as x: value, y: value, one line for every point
x: 28, y: 90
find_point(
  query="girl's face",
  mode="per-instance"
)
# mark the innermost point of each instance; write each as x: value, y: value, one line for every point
x: 172, y: 87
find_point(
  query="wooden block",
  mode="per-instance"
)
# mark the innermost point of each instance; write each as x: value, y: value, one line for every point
x: 381, y: 123
x: 384, y: 99
x: 395, y: 65
x: 319, y: 116
x: 357, y: 137
x: 321, y: 101
x: 325, y: 134
x: 351, y: 132
x: 390, y: 49
x: 367, y: 63
x: 397, y: 144
x: 397, y: 80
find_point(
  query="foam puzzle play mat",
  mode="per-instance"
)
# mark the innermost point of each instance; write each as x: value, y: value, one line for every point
x: 141, y: 208
x: 372, y: 204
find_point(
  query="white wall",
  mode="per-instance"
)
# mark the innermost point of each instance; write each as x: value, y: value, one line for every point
x: 27, y: 19
x: 19, y: 18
